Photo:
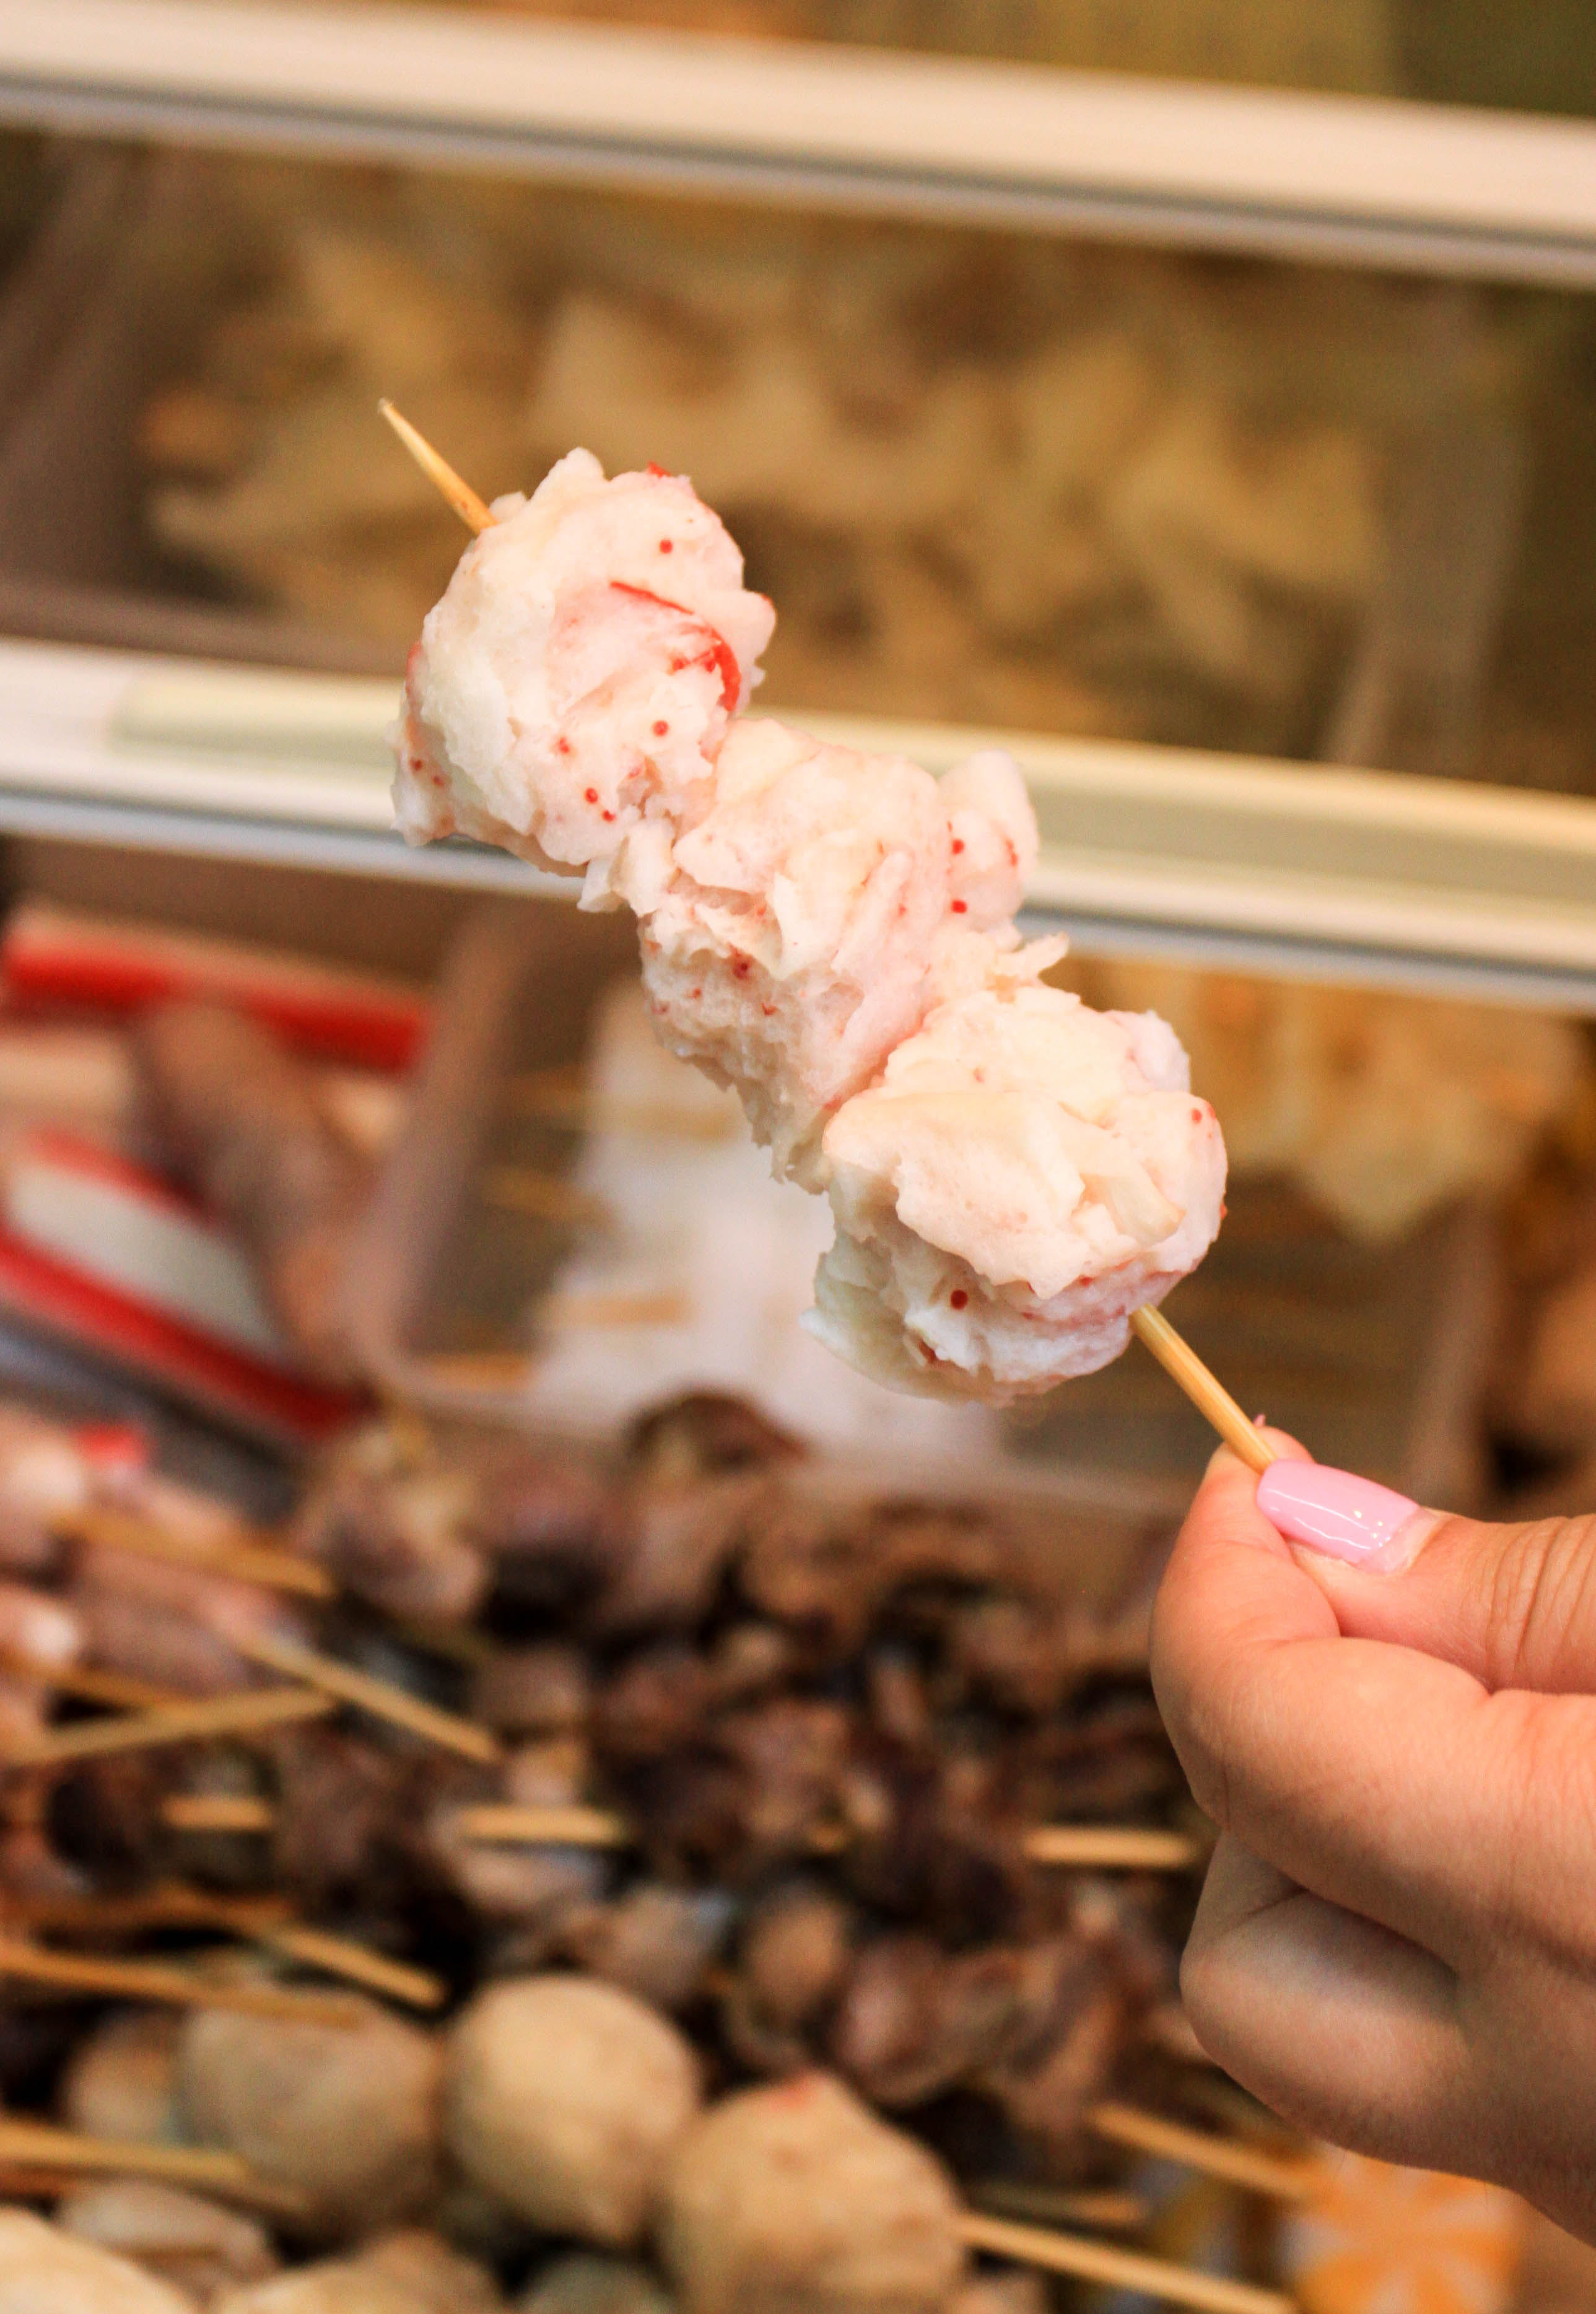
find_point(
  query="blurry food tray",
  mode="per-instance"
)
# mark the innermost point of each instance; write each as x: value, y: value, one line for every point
x: 1373, y: 1355
x: 1272, y: 514
x: 1222, y: 859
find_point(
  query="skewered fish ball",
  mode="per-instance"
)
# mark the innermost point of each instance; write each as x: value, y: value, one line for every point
x: 795, y: 2199
x: 121, y: 2081
x: 566, y: 2099
x: 585, y: 2283
x: 347, y: 2116
x: 408, y: 2272
x: 1012, y: 1176
x: 44, y: 2271
x: 197, y: 2245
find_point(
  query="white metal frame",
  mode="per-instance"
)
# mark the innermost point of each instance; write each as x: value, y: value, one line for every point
x: 1435, y: 189
x: 1375, y: 878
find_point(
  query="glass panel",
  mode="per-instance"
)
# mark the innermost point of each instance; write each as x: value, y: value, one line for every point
x: 988, y: 478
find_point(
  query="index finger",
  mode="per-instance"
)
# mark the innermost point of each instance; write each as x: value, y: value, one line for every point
x: 1384, y: 1781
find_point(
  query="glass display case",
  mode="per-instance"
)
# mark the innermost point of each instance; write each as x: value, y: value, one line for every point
x: 1199, y: 401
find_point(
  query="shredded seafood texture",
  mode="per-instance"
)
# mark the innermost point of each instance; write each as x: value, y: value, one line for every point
x: 570, y: 691
x: 1026, y: 1173
x: 1011, y: 1174
x: 799, y: 938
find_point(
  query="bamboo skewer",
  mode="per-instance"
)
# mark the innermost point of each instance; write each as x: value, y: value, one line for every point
x: 1122, y: 2269
x: 1110, y: 1848
x: 576, y: 1313
x: 1104, y: 2206
x: 263, y: 1921
x: 491, y: 1824
x: 545, y: 1198
x: 134, y: 1979
x: 86, y: 1685
x: 1196, y: 2148
x: 179, y: 1723
x: 218, y: 1812
x: 377, y: 1696
x: 1085, y: 1846
x: 1207, y: 1393
x: 418, y: 1988
x: 165, y: 1904
x: 213, y: 2171
x: 559, y: 1097
x: 473, y: 511
x: 242, y: 1562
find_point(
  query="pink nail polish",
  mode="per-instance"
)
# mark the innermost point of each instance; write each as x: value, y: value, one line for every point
x: 1344, y: 1516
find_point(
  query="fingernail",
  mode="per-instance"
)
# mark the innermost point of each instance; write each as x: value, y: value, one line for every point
x: 1344, y: 1516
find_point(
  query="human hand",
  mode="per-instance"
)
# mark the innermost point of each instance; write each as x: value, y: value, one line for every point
x: 1395, y: 1945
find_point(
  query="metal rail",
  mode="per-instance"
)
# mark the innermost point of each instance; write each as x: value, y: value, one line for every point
x: 1356, y: 181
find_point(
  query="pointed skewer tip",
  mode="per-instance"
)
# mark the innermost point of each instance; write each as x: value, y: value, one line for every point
x: 473, y: 512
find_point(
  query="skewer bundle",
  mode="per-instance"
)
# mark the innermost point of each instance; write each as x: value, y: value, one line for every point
x: 402, y: 1807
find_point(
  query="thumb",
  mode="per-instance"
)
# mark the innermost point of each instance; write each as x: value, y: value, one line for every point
x: 1514, y: 1605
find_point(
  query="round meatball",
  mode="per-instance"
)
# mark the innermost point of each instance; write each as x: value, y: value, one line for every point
x: 795, y: 2199
x: 586, y: 2281
x: 345, y: 2116
x: 401, y: 2273
x: 46, y: 2272
x: 333, y: 2285
x: 121, y: 2081
x: 198, y: 2245
x: 566, y: 2099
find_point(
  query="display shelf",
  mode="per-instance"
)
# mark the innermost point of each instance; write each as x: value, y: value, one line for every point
x: 1364, y: 877
x: 1357, y: 180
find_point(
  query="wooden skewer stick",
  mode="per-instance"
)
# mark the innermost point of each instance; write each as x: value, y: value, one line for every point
x: 212, y: 2171
x: 473, y: 511
x: 133, y: 1979
x: 162, y: 1904
x: 341, y: 1956
x: 316, y: 1947
x: 243, y: 1562
x: 1104, y: 2206
x: 1112, y: 1848
x: 1122, y: 2269
x: 545, y: 1198
x: 492, y: 1826
x: 262, y: 1920
x: 1084, y: 1846
x: 87, y: 1685
x: 1207, y: 1393
x: 218, y: 1812
x: 560, y: 1096
x: 578, y: 1313
x: 1196, y: 2148
x: 179, y: 1723
x: 377, y: 1696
